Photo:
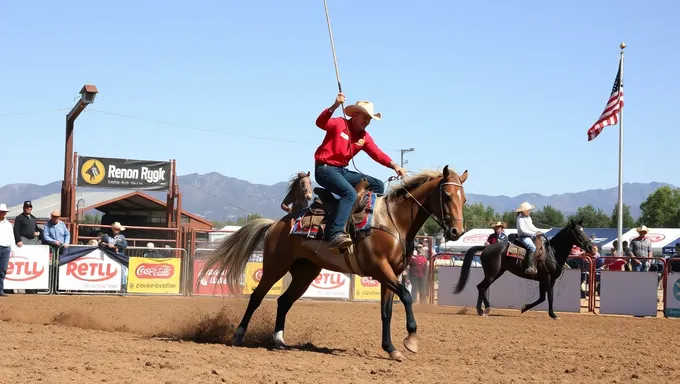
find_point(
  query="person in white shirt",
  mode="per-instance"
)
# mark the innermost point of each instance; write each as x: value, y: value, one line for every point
x: 527, y: 232
x: 6, y: 241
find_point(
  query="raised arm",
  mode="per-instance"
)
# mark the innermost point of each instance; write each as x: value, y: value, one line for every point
x: 323, y: 121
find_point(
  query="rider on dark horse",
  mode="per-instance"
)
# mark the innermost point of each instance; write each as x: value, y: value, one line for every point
x: 527, y: 232
x: 333, y: 156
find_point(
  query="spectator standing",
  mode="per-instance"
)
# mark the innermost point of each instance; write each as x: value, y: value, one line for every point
x: 26, y: 230
x: 6, y: 240
x: 56, y: 234
x: 116, y: 240
x: 417, y: 274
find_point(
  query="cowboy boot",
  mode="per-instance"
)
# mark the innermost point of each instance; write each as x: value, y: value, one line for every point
x: 529, y: 263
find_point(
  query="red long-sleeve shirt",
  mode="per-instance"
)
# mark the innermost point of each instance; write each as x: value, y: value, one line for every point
x: 334, y: 150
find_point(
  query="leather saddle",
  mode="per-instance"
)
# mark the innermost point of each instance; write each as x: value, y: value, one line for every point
x: 324, y: 203
x: 517, y: 249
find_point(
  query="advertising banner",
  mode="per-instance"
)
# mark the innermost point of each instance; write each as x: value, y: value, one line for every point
x: 366, y: 289
x: 28, y: 268
x: 329, y: 285
x: 103, y: 172
x: 154, y: 275
x: 208, y: 284
x: 253, y: 275
x: 95, y: 271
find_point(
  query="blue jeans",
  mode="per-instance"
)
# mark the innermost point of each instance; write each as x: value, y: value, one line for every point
x: 341, y: 182
x: 4, y: 262
x: 528, y: 242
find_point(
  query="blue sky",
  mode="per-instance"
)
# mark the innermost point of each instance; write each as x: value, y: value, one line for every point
x: 492, y: 87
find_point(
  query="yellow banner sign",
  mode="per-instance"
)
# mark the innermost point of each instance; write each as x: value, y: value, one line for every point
x: 367, y: 289
x: 146, y: 275
x: 253, y: 275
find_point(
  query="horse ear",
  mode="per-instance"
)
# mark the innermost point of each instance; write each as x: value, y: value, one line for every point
x: 571, y: 221
x: 308, y: 173
x: 580, y: 222
x: 446, y: 172
x: 463, y: 177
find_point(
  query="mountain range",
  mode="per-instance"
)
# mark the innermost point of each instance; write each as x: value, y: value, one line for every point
x: 218, y: 197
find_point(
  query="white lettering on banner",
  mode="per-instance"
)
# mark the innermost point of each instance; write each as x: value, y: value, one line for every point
x: 509, y: 291
x: 329, y: 284
x: 673, y: 294
x: 123, y: 173
x: 153, y: 176
x: 95, y: 271
x: 628, y: 293
x: 147, y: 174
x: 28, y: 268
x: 448, y: 278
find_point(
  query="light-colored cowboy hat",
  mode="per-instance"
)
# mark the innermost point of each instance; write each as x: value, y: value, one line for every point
x: 363, y: 106
x: 525, y: 206
x: 499, y: 224
x: 117, y: 226
x: 3, y: 208
x: 642, y: 229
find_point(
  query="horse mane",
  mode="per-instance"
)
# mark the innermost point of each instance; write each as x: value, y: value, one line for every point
x: 294, y: 181
x: 412, y: 182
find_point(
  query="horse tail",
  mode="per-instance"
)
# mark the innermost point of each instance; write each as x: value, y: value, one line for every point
x: 232, y: 255
x: 465, y: 271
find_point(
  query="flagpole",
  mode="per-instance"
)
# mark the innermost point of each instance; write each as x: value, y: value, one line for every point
x: 620, y: 213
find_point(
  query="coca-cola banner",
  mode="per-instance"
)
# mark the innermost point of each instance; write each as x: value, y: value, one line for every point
x: 148, y: 275
x: 94, y: 271
x: 28, y: 268
x: 329, y: 285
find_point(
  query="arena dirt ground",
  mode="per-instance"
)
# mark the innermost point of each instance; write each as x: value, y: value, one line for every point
x: 87, y: 339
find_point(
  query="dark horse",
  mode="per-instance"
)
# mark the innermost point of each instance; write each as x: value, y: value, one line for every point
x: 299, y: 193
x: 382, y: 255
x: 495, y: 262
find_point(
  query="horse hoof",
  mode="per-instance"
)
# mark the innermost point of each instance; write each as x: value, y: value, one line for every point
x: 411, y: 344
x: 555, y: 317
x: 524, y: 309
x: 487, y: 310
x: 236, y: 341
x: 396, y: 355
x: 480, y: 312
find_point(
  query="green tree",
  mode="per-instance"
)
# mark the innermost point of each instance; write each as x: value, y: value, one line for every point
x: 510, y: 217
x: 548, y: 217
x: 628, y: 221
x: 592, y: 218
x: 478, y: 215
x: 661, y: 209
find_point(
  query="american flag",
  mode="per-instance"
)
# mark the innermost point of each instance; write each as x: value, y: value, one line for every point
x: 610, y: 115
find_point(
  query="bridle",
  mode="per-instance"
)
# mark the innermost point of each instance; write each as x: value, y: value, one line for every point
x: 440, y: 186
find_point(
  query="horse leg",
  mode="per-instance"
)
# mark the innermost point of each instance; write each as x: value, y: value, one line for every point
x: 550, y: 300
x: 390, y: 284
x: 543, y: 285
x: 487, y: 305
x: 269, y: 278
x: 303, y: 272
x: 386, y: 301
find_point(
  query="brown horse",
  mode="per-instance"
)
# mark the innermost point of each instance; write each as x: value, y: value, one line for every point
x: 299, y: 193
x: 382, y: 255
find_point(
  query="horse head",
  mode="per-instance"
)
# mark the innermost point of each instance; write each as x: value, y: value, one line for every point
x: 579, y: 236
x: 447, y: 205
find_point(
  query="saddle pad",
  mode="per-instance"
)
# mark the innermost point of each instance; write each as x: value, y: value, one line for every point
x: 516, y: 252
x: 309, y: 223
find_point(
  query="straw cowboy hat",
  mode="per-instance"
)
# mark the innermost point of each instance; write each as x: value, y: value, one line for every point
x: 525, y: 206
x: 3, y: 208
x: 642, y: 229
x: 364, y: 107
x: 117, y: 226
x: 499, y: 224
